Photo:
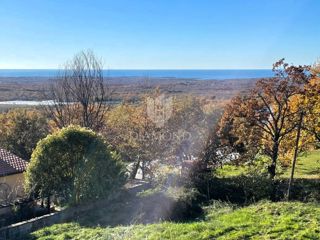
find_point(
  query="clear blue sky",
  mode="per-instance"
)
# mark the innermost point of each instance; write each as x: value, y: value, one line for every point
x: 160, y: 34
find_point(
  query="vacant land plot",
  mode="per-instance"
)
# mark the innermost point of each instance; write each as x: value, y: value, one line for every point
x: 266, y: 220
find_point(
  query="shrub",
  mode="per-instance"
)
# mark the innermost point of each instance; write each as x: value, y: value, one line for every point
x: 177, y: 201
x: 76, y: 165
x: 166, y: 176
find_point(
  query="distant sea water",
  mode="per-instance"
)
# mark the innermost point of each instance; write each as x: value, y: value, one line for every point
x: 193, y: 74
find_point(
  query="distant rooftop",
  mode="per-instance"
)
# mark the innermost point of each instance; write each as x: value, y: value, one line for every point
x: 11, y: 164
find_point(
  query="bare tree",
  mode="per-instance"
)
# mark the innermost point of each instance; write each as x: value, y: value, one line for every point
x: 79, y: 93
x: 6, y: 193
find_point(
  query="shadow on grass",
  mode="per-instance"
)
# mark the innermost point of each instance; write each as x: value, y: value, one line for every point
x: 132, y: 208
x: 244, y: 190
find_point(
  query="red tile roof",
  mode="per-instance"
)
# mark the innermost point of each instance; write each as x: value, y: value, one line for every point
x: 11, y: 164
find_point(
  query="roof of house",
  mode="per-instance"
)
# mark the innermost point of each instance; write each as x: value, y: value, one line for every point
x: 11, y: 164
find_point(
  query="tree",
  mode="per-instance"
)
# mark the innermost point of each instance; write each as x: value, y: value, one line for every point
x: 123, y: 133
x: 7, y: 194
x: 21, y: 129
x: 144, y: 143
x: 74, y: 164
x: 295, y: 156
x: 260, y: 121
x: 187, y: 126
x: 312, y: 102
x: 235, y: 133
x: 131, y: 132
x: 79, y: 94
x: 308, y: 106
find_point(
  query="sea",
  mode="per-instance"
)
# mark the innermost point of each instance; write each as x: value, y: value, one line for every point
x: 213, y: 74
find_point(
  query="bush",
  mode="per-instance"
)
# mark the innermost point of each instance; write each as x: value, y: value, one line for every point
x: 166, y: 176
x: 76, y: 165
x: 177, y: 201
x: 186, y: 205
x: 172, y: 203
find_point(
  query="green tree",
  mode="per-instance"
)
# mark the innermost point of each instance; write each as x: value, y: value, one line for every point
x: 76, y: 165
x: 21, y: 129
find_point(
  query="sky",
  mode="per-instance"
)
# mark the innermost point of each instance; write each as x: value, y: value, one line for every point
x: 159, y: 34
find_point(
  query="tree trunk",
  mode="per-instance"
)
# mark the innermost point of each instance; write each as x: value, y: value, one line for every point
x: 133, y: 174
x: 48, y: 204
x: 295, y: 156
x: 143, y: 169
x: 272, y: 168
x: 274, y: 158
x: 317, y: 136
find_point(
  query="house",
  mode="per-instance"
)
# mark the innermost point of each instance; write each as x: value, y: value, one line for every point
x: 11, y: 176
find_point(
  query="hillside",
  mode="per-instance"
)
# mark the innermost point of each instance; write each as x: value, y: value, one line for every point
x: 264, y: 220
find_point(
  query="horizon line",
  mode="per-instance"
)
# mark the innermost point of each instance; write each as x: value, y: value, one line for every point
x: 139, y: 69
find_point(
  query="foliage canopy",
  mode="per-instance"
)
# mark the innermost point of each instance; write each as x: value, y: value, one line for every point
x: 21, y: 129
x: 74, y: 164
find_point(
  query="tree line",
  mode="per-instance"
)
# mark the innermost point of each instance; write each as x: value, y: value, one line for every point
x: 277, y: 119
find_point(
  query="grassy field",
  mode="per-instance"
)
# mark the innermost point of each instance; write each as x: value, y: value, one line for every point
x: 264, y: 220
x: 307, y: 167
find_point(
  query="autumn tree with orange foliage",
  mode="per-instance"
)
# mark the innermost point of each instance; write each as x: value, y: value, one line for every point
x: 141, y: 141
x: 21, y: 129
x: 134, y: 135
x: 307, y: 103
x: 312, y: 120
x: 261, y: 120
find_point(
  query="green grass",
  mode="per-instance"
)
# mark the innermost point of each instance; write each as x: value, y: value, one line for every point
x: 307, y: 167
x: 264, y: 220
x: 230, y: 171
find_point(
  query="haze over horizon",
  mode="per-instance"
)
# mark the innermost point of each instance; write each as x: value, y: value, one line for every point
x: 159, y: 34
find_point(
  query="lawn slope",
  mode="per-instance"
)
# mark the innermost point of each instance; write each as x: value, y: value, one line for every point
x: 307, y: 167
x: 265, y: 220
